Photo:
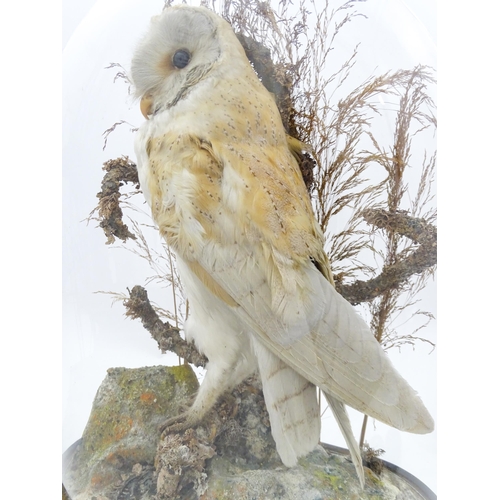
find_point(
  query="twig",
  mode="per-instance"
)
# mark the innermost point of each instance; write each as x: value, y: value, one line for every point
x: 118, y: 172
x: 392, y: 276
x: 167, y: 336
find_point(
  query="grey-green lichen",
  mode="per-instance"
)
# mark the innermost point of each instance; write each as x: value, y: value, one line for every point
x: 123, y: 427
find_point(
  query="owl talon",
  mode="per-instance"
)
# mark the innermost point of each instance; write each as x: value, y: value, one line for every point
x: 184, y: 420
x: 178, y: 423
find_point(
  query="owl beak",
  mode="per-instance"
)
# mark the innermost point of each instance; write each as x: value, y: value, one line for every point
x: 146, y: 106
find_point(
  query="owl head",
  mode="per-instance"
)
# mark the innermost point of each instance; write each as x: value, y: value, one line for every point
x: 182, y: 47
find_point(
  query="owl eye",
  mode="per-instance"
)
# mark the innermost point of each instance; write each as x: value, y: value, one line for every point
x: 181, y: 58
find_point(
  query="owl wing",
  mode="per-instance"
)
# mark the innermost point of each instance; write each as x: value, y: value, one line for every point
x: 331, y: 345
x: 295, y: 310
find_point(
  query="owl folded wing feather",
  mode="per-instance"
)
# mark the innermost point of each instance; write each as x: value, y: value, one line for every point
x: 333, y: 347
x: 292, y: 308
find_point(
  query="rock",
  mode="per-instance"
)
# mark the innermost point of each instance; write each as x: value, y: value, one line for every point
x: 123, y: 430
x: 230, y: 456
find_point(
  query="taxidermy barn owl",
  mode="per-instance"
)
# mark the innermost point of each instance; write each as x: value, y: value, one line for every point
x: 227, y: 195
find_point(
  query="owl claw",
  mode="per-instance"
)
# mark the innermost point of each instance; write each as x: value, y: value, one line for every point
x: 178, y: 423
x: 184, y: 420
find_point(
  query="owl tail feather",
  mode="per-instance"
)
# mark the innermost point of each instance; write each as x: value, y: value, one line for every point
x: 292, y: 404
x: 343, y: 422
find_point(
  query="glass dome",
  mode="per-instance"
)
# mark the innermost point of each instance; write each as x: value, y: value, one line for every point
x: 99, y: 121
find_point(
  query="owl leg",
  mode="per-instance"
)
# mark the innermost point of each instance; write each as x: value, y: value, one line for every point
x: 219, y: 378
x: 219, y: 334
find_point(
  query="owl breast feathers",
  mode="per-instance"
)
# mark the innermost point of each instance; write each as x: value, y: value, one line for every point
x: 228, y: 196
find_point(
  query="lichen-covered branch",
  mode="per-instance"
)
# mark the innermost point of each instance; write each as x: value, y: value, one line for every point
x: 392, y: 276
x: 166, y: 335
x: 118, y: 171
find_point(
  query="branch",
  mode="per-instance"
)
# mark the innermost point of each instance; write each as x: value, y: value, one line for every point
x: 167, y: 336
x: 118, y: 172
x: 393, y: 276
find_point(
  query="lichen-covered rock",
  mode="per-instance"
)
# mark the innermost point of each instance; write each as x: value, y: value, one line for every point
x: 231, y: 455
x: 319, y: 476
x: 123, y: 430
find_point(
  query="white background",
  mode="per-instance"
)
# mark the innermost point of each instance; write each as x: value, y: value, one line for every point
x: 96, y: 336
